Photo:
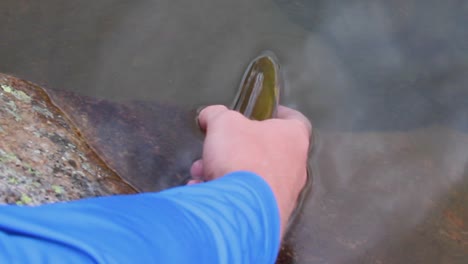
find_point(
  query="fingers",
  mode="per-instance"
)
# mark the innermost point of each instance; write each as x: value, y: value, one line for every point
x: 209, y: 113
x: 192, y: 182
x: 291, y: 114
x: 196, y: 171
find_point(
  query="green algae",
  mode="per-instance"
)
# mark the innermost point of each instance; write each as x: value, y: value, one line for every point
x: 13, y: 180
x: 24, y: 200
x: 6, y: 88
x: 57, y: 189
x: 20, y: 95
x: 30, y: 170
x: 7, y: 157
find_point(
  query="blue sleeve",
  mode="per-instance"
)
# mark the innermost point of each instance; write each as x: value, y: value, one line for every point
x: 234, y: 219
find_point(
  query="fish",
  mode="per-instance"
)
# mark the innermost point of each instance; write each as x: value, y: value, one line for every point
x: 260, y: 88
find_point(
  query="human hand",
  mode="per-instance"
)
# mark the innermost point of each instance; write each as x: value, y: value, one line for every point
x: 276, y: 149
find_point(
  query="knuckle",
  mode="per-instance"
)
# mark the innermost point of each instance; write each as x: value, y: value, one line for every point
x: 234, y: 116
x: 214, y: 108
x: 230, y: 119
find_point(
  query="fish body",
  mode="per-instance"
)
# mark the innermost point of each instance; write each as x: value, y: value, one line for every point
x: 260, y: 87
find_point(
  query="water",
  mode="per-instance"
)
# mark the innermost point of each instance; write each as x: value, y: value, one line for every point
x: 385, y: 84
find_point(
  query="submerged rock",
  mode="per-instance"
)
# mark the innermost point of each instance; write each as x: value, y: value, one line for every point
x: 60, y: 146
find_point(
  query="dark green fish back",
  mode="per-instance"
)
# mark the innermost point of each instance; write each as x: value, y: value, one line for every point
x: 259, y: 90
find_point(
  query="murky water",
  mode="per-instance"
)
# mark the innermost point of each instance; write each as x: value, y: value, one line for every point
x: 385, y: 83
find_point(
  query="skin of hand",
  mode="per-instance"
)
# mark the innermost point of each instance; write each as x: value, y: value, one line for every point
x: 276, y: 149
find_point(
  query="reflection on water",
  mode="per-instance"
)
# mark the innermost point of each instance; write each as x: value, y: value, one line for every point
x: 384, y: 65
x: 388, y: 197
x: 384, y: 82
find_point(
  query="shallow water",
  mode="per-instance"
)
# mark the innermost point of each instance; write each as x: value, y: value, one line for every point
x: 385, y: 84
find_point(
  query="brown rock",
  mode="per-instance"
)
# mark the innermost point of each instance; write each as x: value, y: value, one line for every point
x: 43, y: 157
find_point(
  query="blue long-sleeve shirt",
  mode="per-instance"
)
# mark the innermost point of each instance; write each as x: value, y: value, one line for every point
x: 234, y: 219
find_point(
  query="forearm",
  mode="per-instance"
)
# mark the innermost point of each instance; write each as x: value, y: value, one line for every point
x: 231, y: 220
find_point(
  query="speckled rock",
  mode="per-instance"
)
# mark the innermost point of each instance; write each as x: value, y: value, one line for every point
x: 43, y: 157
